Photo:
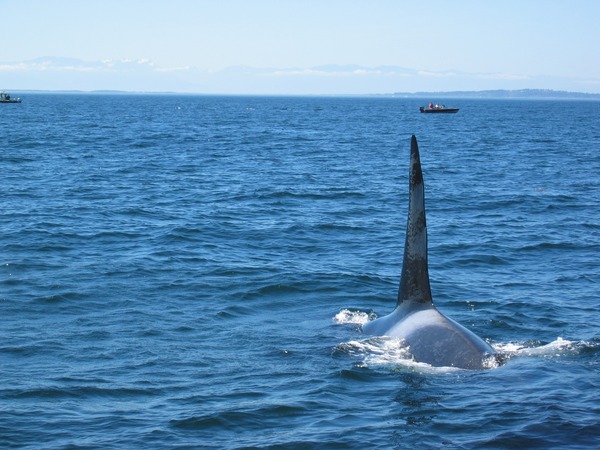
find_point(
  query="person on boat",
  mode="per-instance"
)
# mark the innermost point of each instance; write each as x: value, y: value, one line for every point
x: 430, y: 105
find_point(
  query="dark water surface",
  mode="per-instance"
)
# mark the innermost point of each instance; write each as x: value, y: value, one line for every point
x: 192, y: 272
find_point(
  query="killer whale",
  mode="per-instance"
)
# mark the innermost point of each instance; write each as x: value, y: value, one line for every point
x: 432, y: 337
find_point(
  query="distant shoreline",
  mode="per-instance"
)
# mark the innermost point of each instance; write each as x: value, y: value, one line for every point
x: 540, y: 94
x: 524, y: 94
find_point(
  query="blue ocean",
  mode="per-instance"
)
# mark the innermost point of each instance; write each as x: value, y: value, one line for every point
x: 192, y: 272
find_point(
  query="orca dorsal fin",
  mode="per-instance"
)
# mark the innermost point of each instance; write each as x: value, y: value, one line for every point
x: 414, y: 282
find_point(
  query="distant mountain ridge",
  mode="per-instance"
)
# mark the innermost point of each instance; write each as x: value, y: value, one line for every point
x: 505, y: 93
x: 532, y: 94
x: 55, y: 73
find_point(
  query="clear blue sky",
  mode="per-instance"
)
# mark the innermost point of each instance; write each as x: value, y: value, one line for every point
x: 300, y: 46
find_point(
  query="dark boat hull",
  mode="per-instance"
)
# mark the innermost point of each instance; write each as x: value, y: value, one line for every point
x: 439, y: 110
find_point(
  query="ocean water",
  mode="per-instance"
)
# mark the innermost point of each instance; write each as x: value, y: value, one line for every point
x: 192, y: 272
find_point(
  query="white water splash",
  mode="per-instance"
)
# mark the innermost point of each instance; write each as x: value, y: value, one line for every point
x: 384, y: 351
x: 346, y: 316
x: 557, y: 348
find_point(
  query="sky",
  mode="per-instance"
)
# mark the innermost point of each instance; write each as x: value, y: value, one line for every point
x: 300, y: 47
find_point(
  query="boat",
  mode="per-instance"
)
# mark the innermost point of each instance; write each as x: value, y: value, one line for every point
x: 6, y: 98
x: 438, y: 109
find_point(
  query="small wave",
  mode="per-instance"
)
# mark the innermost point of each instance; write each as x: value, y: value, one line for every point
x: 245, y: 417
x: 551, y: 246
x: 476, y: 260
x: 326, y: 195
x: 56, y: 392
x: 338, y: 227
x: 234, y: 311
